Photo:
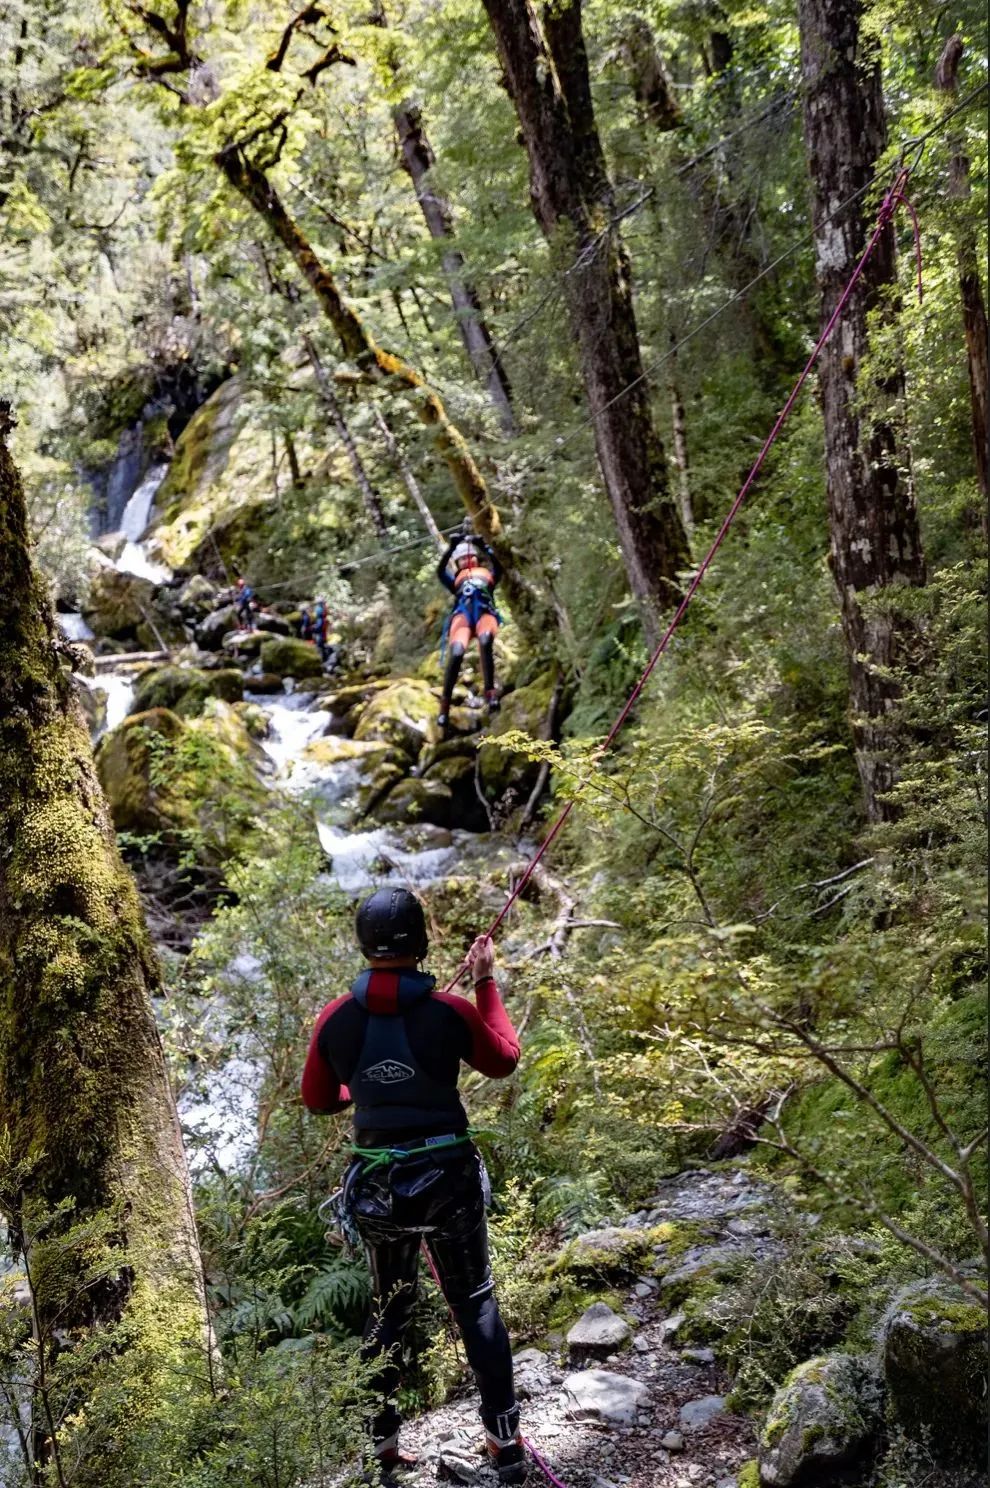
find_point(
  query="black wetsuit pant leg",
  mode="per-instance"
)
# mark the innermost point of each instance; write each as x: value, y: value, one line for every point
x: 453, y: 1222
x: 460, y: 1256
x: 394, y: 1267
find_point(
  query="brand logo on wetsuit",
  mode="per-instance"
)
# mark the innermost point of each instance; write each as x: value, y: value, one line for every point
x: 389, y: 1072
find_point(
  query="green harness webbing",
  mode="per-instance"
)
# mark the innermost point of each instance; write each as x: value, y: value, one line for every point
x: 378, y: 1157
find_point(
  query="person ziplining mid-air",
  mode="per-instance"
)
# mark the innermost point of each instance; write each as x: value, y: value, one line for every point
x: 476, y: 571
x: 393, y: 1045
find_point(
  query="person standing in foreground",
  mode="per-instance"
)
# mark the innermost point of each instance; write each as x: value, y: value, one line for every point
x: 393, y: 1045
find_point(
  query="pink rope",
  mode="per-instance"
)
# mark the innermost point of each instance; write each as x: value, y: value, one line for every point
x: 894, y: 198
x: 543, y: 1464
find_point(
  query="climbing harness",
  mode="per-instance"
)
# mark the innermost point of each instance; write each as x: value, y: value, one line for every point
x: 473, y: 600
x: 895, y: 197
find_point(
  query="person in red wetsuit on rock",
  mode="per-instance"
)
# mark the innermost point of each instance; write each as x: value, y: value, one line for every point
x: 393, y: 1045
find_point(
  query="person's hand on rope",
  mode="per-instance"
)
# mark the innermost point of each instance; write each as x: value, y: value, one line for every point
x: 481, y: 959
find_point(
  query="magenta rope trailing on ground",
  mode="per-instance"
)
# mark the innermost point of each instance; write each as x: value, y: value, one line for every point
x: 543, y: 1464
x: 895, y: 197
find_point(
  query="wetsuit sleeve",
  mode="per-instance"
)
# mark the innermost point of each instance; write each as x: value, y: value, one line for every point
x: 322, y: 1091
x: 497, y: 569
x: 494, y: 1045
x: 442, y: 573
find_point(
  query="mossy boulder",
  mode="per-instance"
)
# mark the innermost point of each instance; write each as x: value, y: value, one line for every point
x: 826, y: 1414
x: 402, y: 715
x: 186, y: 690
x: 385, y: 778
x: 935, y: 1363
x: 214, y: 626
x: 290, y: 658
x: 615, y: 1252
x: 333, y: 750
x: 525, y: 710
x: 118, y: 604
x: 140, y: 800
x: 417, y: 801
x: 458, y: 774
x: 197, y: 596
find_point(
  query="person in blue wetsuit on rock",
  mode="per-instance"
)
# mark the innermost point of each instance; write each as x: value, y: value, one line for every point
x: 393, y: 1045
x: 470, y: 570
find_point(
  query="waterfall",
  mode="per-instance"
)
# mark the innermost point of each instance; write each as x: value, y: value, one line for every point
x: 134, y: 557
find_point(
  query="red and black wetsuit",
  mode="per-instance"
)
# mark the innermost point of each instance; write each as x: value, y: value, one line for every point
x: 393, y: 1046
x: 390, y: 1015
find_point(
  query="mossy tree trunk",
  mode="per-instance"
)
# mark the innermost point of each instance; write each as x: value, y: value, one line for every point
x: 394, y: 375
x: 873, y: 517
x: 974, y: 310
x: 546, y: 73
x: 89, y: 1138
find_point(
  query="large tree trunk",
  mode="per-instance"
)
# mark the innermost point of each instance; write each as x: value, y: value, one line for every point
x: 974, y: 312
x: 379, y: 365
x: 88, y: 1128
x: 418, y: 160
x: 546, y: 71
x: 875, y: 536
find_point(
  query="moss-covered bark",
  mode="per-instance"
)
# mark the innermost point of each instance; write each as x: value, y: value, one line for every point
x: 88, y: 1130
x: 395, y: 375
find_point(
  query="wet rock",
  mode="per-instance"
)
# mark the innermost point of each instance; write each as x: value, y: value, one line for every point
x: 118, y: 604
x: 696, y: 1414
x: 186, y: 690
x: 416, y: 801
x: 244, y: 645
x: 935, y: 1363
x: 197, y: 596
x: 825, y: 1415
x: 597, y: 1394
x: 402, y: 715
x: 273, y: 624
x: 265, y: 684
x: 458, y: 773
x: 333, y: 750
x: 598, y: 1331
x: 213, y: 627
x: 94, y: 707
x: 384, y: 779
x: 531, y: 1369
x: 672, y: 1441
x: 290, y: 658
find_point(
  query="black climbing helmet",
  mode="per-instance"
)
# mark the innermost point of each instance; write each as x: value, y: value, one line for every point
x: 391, y: 922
